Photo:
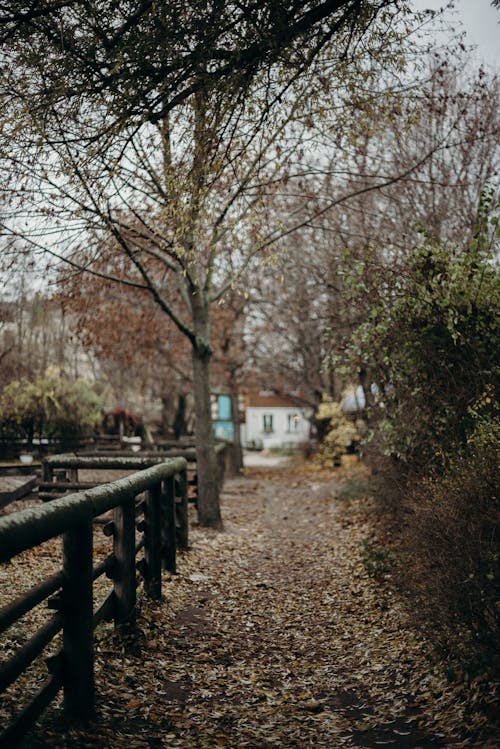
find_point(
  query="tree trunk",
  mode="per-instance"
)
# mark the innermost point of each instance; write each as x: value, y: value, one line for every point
x: 235, y: 464
x: 166, y: 410
x: 179, y: 424
x: 206, y: 463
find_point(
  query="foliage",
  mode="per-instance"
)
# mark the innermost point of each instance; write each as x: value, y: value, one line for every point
x: 301, y: 300
x: 135, y: 61
x: 33, y: 331
x: 340, y: 435
x: 50, y: 406
x: 429, y: 342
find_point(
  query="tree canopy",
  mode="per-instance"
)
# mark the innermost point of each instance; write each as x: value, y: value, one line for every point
x: 139, y: 59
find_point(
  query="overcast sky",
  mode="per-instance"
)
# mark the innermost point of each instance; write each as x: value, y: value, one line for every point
x: 481, y: 23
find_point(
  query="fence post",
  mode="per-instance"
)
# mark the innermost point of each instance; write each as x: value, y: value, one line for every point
x: 77, y: 605
x: 168, y: 550
x: 124, y: 568
x: 153, y: 541
x: 181, y: 507
x: 47, y: 472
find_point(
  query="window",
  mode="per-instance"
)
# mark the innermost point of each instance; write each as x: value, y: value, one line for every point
x: 293, y: 422
x: 267, y: 423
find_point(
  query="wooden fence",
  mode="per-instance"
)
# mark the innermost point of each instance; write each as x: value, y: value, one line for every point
x: 109, y: 443
x: 60, y: 473
x: 144, y: 518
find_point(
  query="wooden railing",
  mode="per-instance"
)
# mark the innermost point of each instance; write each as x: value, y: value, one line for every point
x: 60, y: 473
x: 144, y: 518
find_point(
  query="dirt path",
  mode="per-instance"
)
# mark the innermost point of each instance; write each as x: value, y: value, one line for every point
x: 272, y: 636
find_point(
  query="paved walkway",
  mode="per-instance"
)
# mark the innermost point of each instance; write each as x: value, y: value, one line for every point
x: 263, y: 459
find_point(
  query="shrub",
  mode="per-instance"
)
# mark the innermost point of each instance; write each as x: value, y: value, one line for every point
x: 450, y: 546
x: 49, y: 406
x: 341, y: 433
x: 434, y: 352
x: 428, y: 343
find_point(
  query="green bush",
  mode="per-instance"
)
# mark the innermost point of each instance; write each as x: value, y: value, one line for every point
x: 429, y: 342
x: 433, y: 351
x: 49, y: 406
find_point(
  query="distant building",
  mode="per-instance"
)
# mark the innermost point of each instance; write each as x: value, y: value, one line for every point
x: 274, y: 420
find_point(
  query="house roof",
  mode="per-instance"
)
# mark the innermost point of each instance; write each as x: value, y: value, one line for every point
x: 270, y: 399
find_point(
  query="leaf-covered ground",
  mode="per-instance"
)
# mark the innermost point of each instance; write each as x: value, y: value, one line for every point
x: 272, y: 635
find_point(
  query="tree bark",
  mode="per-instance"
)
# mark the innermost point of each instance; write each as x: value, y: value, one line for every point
x: 209, y: 514
x: 235, y: 450
x: 166, y: 410
x: 206, y: 462
x: 179, y: 424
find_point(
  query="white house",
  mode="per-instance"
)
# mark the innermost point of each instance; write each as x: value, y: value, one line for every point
x: 274, y: 420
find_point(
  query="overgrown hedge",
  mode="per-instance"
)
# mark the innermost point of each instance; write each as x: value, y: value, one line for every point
x: 429, y: 343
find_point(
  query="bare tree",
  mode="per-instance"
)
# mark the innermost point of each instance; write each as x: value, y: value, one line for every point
x: 303, y: 305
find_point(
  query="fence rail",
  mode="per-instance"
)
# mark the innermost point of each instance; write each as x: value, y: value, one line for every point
x: 60, y: 473
x: 146, y: 502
